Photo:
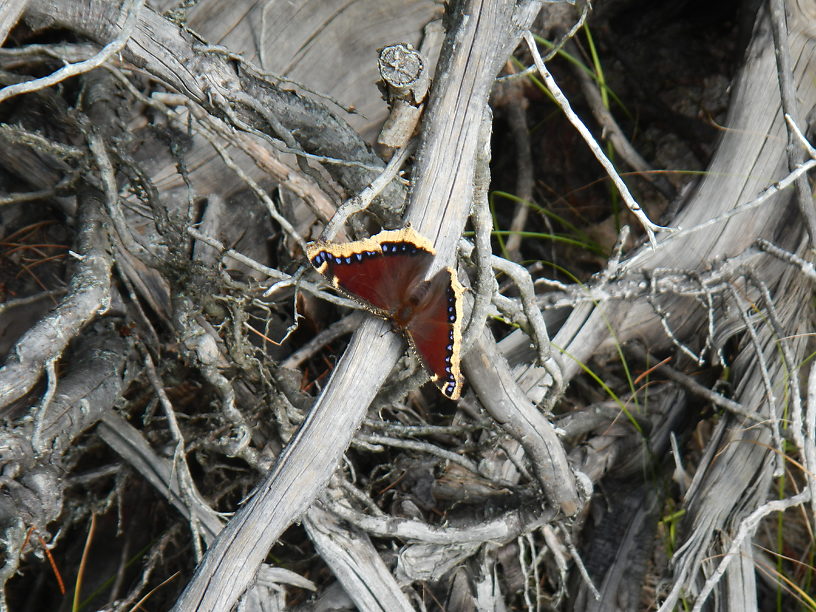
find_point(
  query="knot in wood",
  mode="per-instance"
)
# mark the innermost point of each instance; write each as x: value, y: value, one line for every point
x: 400, y: 65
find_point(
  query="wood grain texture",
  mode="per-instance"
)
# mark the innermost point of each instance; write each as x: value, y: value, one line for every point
x: 735, y: 474
x: 10, y: 12
x: 309, y: 43
x: 438, y: 208
x: 749, y: 158
x: 356, y: 563
x: 209, y: 78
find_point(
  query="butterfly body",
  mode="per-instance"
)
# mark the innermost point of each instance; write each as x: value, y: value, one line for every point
x: 387, y: 274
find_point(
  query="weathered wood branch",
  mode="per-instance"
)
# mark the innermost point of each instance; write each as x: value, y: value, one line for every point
x: 438, y: 207
x: 191, y: 159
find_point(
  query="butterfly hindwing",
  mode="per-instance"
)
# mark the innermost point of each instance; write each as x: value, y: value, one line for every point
x: 435, y: 331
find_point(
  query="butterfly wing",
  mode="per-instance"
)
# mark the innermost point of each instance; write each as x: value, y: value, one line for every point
x: 435, y: 331
x: 381, y: 271
x: 386, y: 272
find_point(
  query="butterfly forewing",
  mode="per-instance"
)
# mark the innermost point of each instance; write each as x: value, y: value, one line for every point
x: 382, y: 271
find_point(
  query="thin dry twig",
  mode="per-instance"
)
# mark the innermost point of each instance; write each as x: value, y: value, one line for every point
x: 482, y: 224
x: 761, y: 361
x: 419, y: 447
x: 185, y: 479
x: 746, y: 529
x: 50, y: 390
x: 806, y: 267
x: 787, y: 89
x: 654, y: 302
x: 763, y: 196
x: 259, y: 191
x: 558, y: 552
x: 338, y: 329
x: 796, y: 429
x: 19, y: 135
x: 529, y: 306
x: 300, y: 185
x: 279, y: 130
x: 693, y: 386
x: 579, y: 563
x: 363, y: 200
x: 556, y: 48
x: 31, y: 299
x: 130, y: 14
x: 524, y: 283
x: 283, y: 279
x: 502, y: 529
x: 112, y: 203
x: 809, y: 449
x: 562, y: 102
x: 614, y: 133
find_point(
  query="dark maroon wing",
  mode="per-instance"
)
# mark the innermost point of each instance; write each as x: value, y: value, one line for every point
x: 435, y: 331
x: 381, y: 271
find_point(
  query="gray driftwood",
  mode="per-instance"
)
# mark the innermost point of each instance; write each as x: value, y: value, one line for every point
x: 240, y: 93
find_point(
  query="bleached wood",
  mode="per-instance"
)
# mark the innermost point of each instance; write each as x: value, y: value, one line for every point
x: 733, y: 477
x: 88, y: 295
x: 207, y: 76
x: 506, y: 402
x: 355, y: 562
x: 749, y: 158
x: 737, y: 461
x: 278, y: 37
x: 308, y: 41
x: 477, y: 44
x: 10, y: 12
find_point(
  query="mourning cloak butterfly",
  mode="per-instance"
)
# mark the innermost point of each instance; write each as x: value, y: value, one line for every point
x: 387, y: 274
